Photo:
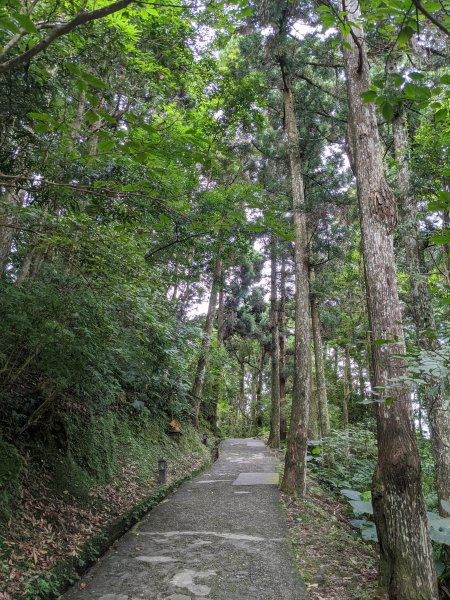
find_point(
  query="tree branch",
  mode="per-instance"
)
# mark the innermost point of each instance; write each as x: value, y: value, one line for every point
x: 62, y: 29
x: 420, y: 7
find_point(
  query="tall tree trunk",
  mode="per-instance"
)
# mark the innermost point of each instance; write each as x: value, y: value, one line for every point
x: 321, y: 387
x: 212, y: 413
x: 9, y: 203
x: 176, y: 282
x: 274, y: 435
x: 259, y: 389
x: 361, y: 380
x: 406, y: 558
x: 313, y: 419
x: 254, y: 387
x: 294, y: 480
x: 6, y: 237
x: 26, y: 264
x: 38, y: 261
x: 419, y: 416
x: 282, y: 331
x: 434, y: 397
x: 336, y: 362
x: 347, y: 388
x: 76, y: 127
x: 221, y: 314
x: 446, y: 247
x: 184, y: 296
x: 199, y: 381
x: 242, y: 399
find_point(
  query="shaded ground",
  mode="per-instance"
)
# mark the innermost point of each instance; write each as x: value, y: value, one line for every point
x: 334, y: 562
x: 48, y: 528
x: 213, y: 539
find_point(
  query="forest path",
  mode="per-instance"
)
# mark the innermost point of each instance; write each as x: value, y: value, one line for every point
x: 221, y: 536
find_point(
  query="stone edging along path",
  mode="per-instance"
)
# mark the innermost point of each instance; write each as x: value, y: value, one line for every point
x: 67, y: 571
x: 221, y: 536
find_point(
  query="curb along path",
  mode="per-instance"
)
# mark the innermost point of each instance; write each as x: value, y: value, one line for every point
x: 221, y: 536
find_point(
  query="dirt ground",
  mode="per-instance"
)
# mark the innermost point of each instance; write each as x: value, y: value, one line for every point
x: 334, y: 563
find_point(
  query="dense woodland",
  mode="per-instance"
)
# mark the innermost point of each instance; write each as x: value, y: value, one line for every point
x: 235, y: 215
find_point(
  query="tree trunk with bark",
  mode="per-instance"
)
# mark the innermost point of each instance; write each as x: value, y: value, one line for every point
x: 242, y: 405
x: 199, y: 381
x: 313, y: 419
x: 6, y: 238
x: 347, y: 388
x: 282, y: 331
x: 294, y: 480
x: 274, y: 435
x: 406, y: 557
x: 259, y: 390
x: 446, y: 247
x: 321, y: 388
x: 336, y: 362
x: 361, y: 379
x: 221, y: 314
x: 434, y: 398
x: 10, y: 202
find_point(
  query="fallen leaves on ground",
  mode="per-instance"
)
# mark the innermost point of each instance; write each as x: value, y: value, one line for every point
x: 334, y: 563
x: 49, y: 528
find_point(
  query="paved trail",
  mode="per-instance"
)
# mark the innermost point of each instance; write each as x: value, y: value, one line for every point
x: 221, y: 536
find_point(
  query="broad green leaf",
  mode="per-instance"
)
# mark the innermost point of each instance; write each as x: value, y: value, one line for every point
x: 387, y: 111
x: 351, y: 494
x: 85, y: 76
x: 441, y: 114
x: 41, y: 117
x: 26, y: 23
x: 361, y: 508
x: 443, y: 239
x: 404, y: 36
x: 8, y: 25
x: 369, y: 533
x: 369, y: 96
x: 439, y: 528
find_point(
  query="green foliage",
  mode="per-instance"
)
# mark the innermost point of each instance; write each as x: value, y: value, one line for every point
x: 439, y: 527
x: 87, y: 349
x: 348, y: 459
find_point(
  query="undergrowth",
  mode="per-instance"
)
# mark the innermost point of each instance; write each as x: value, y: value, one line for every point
x: 65, y: 497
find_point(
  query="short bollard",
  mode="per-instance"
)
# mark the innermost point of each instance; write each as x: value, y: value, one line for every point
x: 204, y: 439
x: 162, y: 470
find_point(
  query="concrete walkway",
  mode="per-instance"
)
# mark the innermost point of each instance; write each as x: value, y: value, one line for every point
x: 221, y: 536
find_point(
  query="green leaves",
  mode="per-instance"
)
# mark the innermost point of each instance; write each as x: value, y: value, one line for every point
x: 369, y: 96
x: 361, y: 508
x: 26, y: 23
x: 387, y: 110
x: 439, y: 527
x: 351, y: 494
x: 376, y: 95
x: 404, y: 36
x: 327, y: 17
x: 86, y: 77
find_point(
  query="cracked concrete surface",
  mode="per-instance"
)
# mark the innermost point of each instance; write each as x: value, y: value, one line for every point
x: 207, y: 542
